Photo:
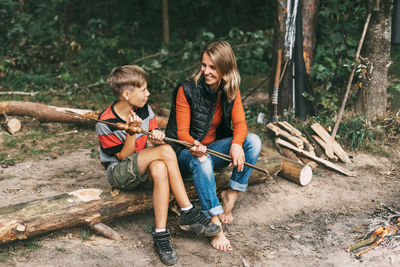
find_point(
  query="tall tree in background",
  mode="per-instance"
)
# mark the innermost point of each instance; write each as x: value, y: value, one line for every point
x: 309, y: 11
x: 165, y: 21
x: 372, y: 98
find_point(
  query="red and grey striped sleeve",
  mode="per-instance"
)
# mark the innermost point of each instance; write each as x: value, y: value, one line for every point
x: 109, y: 142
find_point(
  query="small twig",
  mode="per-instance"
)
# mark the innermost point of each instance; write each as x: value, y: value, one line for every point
x: 369, y: 248
x: 147, y: 57
x: 255, y: 88
x: 184, y: 70
x: 19, y: 93
x: 69, y: 132
x: 346, y: 95
x: 91, y: 85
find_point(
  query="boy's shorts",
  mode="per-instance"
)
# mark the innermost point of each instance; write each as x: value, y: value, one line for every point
x: 126, y: 175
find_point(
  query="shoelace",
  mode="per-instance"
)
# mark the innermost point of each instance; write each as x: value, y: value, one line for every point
x: 201, y: 218
x: 164, y: 244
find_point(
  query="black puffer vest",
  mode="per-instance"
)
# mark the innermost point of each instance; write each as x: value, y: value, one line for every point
x: 202, y: 101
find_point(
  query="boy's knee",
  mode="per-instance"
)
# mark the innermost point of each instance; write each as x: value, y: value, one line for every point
x: 166, y: 151
x: 158, y: 169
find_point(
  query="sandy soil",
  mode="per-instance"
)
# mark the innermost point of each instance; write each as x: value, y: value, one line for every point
x: 277, y: 223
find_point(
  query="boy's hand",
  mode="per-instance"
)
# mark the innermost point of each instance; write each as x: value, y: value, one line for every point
x: 157, y: 137
x: 134, y: 120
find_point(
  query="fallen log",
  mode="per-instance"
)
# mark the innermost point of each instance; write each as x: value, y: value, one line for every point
x: 94, y: 206
x: 296, y: 172
x: 46, y: 113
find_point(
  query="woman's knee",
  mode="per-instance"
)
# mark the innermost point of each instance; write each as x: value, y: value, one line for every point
x: 253, y: 143
x: 204, y: 166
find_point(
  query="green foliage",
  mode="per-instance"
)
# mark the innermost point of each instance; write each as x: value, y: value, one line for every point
x: 356, y: 132
x: 339, y: 30
x: 58, y: 45
x: 5, y: 160
x: 394, y: 69
x: 85, y: 233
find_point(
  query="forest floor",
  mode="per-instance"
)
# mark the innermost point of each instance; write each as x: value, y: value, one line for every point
x: 277, y: 223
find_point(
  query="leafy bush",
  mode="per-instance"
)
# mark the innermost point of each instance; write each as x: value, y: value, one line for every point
x: 339, y: 29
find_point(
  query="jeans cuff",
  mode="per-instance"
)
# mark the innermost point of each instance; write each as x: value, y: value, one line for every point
x: 213, y: 212
x: 236, y: 186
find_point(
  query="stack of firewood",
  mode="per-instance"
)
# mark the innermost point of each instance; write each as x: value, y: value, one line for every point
x: 293, y: 144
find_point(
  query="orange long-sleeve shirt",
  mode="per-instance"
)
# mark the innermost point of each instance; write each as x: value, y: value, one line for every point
x: 183, y: 120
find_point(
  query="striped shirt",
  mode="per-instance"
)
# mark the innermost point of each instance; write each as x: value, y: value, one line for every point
x: 112, y: 139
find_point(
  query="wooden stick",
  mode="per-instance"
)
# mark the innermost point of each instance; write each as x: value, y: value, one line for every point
x: 330, y: 141
x: 362, y: 243
x: 346, y: 95
x: 315, y: 158
x: 189, y: 145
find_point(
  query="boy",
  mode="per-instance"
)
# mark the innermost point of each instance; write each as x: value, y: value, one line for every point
x: 129, y: 163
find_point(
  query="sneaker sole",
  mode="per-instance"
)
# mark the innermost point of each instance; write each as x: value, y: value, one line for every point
x: 187, y: 229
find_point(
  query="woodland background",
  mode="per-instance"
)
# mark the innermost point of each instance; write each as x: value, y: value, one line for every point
x: 65, y: 49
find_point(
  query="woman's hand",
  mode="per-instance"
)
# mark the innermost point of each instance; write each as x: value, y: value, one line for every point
x: 157, y: 137
x: 237, y: 155
x: 198, y: 149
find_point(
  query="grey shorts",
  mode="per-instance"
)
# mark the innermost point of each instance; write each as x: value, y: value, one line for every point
x: 126, y: 175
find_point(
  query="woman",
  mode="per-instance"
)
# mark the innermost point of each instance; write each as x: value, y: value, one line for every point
x: 203, y: 110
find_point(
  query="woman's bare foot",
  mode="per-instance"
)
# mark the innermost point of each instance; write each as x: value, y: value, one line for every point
x: 228, y: 197
x: 220, y: 241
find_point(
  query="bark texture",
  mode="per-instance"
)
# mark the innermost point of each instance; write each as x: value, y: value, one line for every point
x: 310, y: 9
x: 93, y: 206
x: 372, y: 98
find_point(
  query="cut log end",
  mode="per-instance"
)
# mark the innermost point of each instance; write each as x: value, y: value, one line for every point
x: 305, y: 175
x: 11, y: 125
x: 296, y: 172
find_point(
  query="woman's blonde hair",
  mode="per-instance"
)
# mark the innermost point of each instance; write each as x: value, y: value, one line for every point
x: 225, y: 62
x: 126, y: 78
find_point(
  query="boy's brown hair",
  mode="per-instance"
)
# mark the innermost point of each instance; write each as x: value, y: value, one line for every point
x: 126, y: 78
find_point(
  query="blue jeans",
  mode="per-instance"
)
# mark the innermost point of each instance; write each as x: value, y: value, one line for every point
x: 203, y: 172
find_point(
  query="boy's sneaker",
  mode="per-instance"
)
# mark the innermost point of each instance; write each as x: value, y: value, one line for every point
x: 194, y: 220
x: 162, y: 245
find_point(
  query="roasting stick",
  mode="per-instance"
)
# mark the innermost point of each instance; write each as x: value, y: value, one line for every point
x: 121, y: 126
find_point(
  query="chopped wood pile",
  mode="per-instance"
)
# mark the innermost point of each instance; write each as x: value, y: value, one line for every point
x: 293, y: 144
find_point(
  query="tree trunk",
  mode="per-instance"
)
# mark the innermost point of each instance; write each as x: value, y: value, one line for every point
x: 372, y: 98
x: 309, y: 10
x: 285, y: 87
x: 165, y: 21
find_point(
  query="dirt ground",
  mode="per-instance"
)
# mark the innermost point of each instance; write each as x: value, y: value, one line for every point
x: 277, y: 223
